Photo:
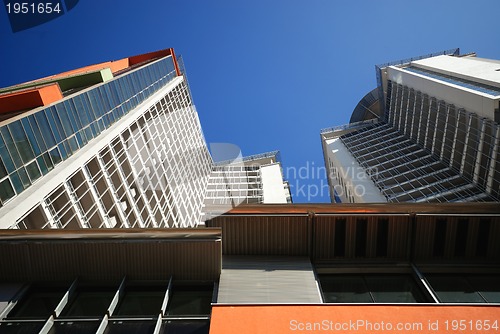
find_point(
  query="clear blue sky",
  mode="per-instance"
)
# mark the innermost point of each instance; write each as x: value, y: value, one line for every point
x: 264, y: 75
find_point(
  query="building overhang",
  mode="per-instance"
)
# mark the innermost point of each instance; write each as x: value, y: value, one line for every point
x: 110, y: 254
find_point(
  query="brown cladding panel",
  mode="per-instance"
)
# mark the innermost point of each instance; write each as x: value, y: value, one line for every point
x: 109, y: 260
x: 263, y: 235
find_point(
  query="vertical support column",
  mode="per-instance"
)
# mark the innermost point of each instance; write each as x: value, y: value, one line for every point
x: 50, y: 218
x: 130, y: 197
x: 82, y: 221
x: 95, y: 196
x: 477, y: 165
x: 107, y: 179
x: 494, y: 162
x: 140, y: 190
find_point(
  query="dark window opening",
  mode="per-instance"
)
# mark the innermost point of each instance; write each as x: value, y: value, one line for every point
x: 339, y: 246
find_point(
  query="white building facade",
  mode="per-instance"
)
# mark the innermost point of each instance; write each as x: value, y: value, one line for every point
x: 436, y: 139
x: 126, y: 151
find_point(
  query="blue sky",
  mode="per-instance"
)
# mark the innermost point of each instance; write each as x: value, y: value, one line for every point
x: 264, y: 75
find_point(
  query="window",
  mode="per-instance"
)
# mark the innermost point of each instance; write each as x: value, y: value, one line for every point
x: 38, y: 303
x: 190, y: 300
x: 465, y: 289
x: 141, y: 301
x: 371, y: 289
x: 89, y: 302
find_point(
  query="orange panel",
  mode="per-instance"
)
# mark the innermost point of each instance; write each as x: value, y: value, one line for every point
x: 417, y: 319
x: 30, y: 98
x: 149, y: 56
x: 115, y: 66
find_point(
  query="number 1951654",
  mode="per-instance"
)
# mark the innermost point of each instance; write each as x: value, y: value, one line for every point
x: 471, y: 325
x: 33, y: 8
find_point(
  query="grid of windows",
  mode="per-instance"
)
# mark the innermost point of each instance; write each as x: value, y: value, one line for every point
x: 371, y: 289
x: 465, y: 288
x: 428, y: 151
x: 233, y: 183
x: 406, y: 288
x: 31, y: 146
x: 153, y: 174
x: 126, y: 307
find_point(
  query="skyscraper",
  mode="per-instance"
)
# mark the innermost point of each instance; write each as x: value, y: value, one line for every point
x: 429, y: 133
x: 116, y: 144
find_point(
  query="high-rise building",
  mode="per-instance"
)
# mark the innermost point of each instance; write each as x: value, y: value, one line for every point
x: 116, y: 144
x: 277, y: 268
x: 429, y: 133
x: 299, y: 268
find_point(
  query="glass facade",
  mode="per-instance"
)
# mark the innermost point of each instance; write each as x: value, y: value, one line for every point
x: 136, y: 307
x: 403, y: 288
x: 466, y: 289
x: 371, y: 289
x: 30, y: 147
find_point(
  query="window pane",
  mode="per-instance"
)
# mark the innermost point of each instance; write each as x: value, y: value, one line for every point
x: 47, y: 161
x: 190, y: 300
x: 33, y: 171
x: 394, y: 289
x: 21, y: 141
x: 6, y: 158
x: 39, y: 302
x: 185, y: 327
x: 24, y: 177
x: 141, y: 301
x: 9, y: 142
x: 43, y: 124
x: 74, y: 327
x: 487, y: 286
x: 453, y: 289
x: 42, y: 165
x: 16, y: 181
x: 20, y: 327
x: 130, y: 327
x: 62, y: 115
x: 344, y: 289
x: 89, y: 303
x: 3, y: 170
x: 31, y: 136
x: 55, y: 124
x: 6, y: 191
x: 55, y: 156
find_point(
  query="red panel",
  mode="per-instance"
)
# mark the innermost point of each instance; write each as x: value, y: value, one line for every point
x: 30, y: 98
x: 416, y: 319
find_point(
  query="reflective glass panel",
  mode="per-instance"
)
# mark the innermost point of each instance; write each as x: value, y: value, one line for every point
x: 488, y: 286
x: 130, y: 327
x: 92, y: 302
x: 11, y: 147
x: 6, y: 191
x: 344, y: 289
x: 190, y: 300
x: 20, y: 327
x: 37, y: 303
x: 141, y: 301
x: 33, y: 171
x: 394, y: 289
x: 453, y: 289
x: 31, y: 136
x: 185, y: 327
x: 74, y: 327
x: 21, y: 141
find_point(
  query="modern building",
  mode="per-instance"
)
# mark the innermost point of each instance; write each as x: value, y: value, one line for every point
x: 429, y: 133
x: 249, y: 180
x: 116, y: 144
x: 279, y: 268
